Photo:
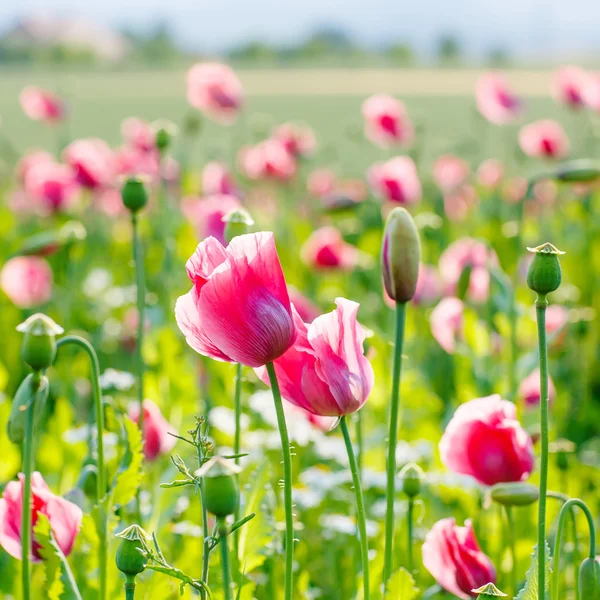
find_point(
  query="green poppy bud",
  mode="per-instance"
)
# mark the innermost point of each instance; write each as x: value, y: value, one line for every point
x: 32, y: 388
x: 578, y: 171
x: 237, y: 222
x: 87, y: 479
x: 488, y: 591
x: 221, y: 492
x: 130, y: 559
x: 38, y: 349
x: 412, y: 477
x: 134, y: 194
x: 589, y: 579
x: 544, y: 274
x: 400, y: 255
x: 515, y: 493
x: 164, y: 131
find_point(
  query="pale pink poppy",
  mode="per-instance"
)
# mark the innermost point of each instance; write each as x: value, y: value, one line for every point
x: 321, y: 183
x: 428, y: 290
x: 218, y: 179
x: 544, y: 139
x: 326, y: 249
x: 268, y: 160
x: 297, y: 140
x: 591, y: 92
x: 138, y: 134
x: 386, y: 121
x: 495, y: 99
x: 41, y: 105
x: 27, y: 281
x: 215, y: 89
x: 157, y: 440
x: 92, y: 160
x: 459, y: 202
x: 514, y: 189
x: 305, y: 308
x: 396, y: 180
x: 450, y: 172
x: 490, y: 173
x: 52, y: 186
x: 530, y: 389
x: 568, y: 86
x: 206, y: 214
x: 447, y: 321
x: 31, y: 159
x: 131, y: 161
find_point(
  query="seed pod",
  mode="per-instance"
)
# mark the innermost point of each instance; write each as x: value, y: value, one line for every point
x: 488, y: 591
x: 578, y: 171
x: 30, y: 395
x: 515, y: 494
x: 164, y: 132
x: 129, y: 559
x: 237, y: 222
x: 400, y: 255
x: 221, y: 492
x: 412, y: 477
x: 38, y: 349
x: 134, y: 194
x: 544, y: 274
x: 589, y: 579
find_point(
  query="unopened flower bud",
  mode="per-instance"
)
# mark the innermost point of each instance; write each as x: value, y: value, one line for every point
x: 589, y: 579
x: 579, y: 171
x: 221, y: 492
x: 164, y: 131
x: 488, y: 591
x: 237, y: 222
x: 412, y: 477
x: 130, y: 559
x: 515, y: 493
x: 38, y: 349
x: 544, y: 274
x: 400, y: 255
x: 87, y: 479
x: 134, y: 194
x: 32, y: 387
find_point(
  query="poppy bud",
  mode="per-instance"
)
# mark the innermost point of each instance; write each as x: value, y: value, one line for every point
x: 221, y: 492
x: 130, y: 559
x: 25, y: 397
x: 544, y: 274
x: 134, y: 194
x: 400, y: 255
x: 488, y: 591
x: 589, y: 579
x: 578, y: 171
x: 412, y: 477
x: 515, y: 493
x: 38, y: 349
x: 164, y: 132
x: 237, y: 222
x: 86, y: 481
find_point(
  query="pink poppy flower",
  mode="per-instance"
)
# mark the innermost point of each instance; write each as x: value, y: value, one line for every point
x: 238, y: 309
x: 297, y: 140
x: 544, y: 139
x: 450, y: 172
x: 490, y: 173
x: 27, y: 281
x: 557, y: 317
x: 530, y: 391
x: 130, y: 160
x: 41, y: 105
x: 52, y: 186
x: 268, y: 160
x: 429, y: 286
x: 157, y: 440
x: 326, y: 249
x: 396, y: 180
x: 64, y: 516
x: 217, y: 179
x: 569, y: 85
x: 446, y: 323
x: 321, y: 183
x: 326, y: 372
x: 215, y: 89
x: 452, y: 555
x: 386, y: 121
x: 92, y: 160
x: 484, y: 440
x: 591, y: 92
x: 306, y: 309
x: 138, y: 134
x: 459, y: 202
x: 31, y: 159
x: 467, y: 252
x: 206, y: 215
x: 495, y: 99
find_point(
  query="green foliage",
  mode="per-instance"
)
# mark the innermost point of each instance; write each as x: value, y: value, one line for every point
x: 401, y: 586
x: 531, y: 589
x: 130, y: 470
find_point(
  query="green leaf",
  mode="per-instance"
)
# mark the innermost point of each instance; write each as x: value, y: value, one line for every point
x: 401, y: 586
x: 530, y: 591
x: 130, y: 471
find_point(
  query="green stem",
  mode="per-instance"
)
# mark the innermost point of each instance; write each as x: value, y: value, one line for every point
x: 359, y: 442
x: 409, y: 528
x: 205, y: 544
x: 287, y: 483
x: 540, y: 305
x: 562, y: 519
x: 574, y: 554
x: 237, y: 439
x: 225, y: 559
x: 130, y: 587
x: 360, y: 508
x: 101, y: 478
x: 393, y: 440
x: 513, y: 553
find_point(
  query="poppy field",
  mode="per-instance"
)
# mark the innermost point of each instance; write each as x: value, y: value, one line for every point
x: 270, y: 345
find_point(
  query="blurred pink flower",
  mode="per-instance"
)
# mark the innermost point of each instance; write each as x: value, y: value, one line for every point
x: 157, y: 440
x: 52, y: 186
x: 326, y: 249
x: 305, y: 308
x: 218, y: 179
x: 514, y: 189
x: 326, y: 372
x: 297, y: 140
x: 64, y: 517
x: 92, y: 160
x: 495, y: 99
x: 41, y: 105
x: 138, y: 134
x: 446, y: 323
x: 216, y: 90
x: 484, y: 440
x: 450, y: 172
x: 452, y: 555
x: 29, y: 160
x: 27, y: 281
x: 396, y: 180
x: 530, y: 391
x: 459, y: 202
x: 429, y: 287
x: 268, y: 160
x: 386, y: 121
x: 544, y: 139
x: 490, y: 173
x: 591, y: 92
x: 131, y: 160
x: 321, y: 183
x: 206, y: 214
x: 568, y: 86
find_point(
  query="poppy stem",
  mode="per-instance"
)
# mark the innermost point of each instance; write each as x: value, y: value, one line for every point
x: 510, y: 532
x: 101, y: 476
x: 225, y: 559
x: 393, y: 440
x: 130, y: 587
x: 287, y: 483
x: 409, y: 522
x: 540, y: 305
x: 360, y: 508
x: 237, y: 438
x: 205, y: 544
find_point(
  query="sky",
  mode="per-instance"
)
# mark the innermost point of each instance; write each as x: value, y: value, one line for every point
x: 527, y: 27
